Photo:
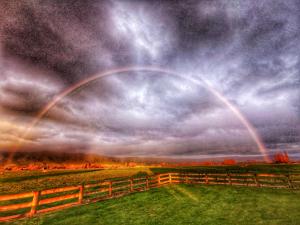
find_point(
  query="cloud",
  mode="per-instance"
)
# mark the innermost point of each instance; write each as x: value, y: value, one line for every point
x: 247, y: 50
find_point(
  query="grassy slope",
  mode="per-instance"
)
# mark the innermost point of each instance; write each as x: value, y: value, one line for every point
x: 185, y: 204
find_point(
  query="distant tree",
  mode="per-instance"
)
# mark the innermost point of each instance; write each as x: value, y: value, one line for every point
x: 163, y: 164
x: 208, y: 163
x: 132, y: 164
x: 281, y: 157
x: 229, y: 162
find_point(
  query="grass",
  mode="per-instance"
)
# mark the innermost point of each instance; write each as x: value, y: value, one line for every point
x: 25, y: 181
x: 261, y: 168
x: 31, y: 175
x: 185, y: 204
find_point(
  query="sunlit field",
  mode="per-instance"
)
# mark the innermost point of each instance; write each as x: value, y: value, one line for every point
x: 185, y: 204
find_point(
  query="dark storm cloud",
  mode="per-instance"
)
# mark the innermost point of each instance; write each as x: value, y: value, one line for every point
x: 247, y: 50
x: 22, y: 98
x: 61, y: 36
x: 200, y: 23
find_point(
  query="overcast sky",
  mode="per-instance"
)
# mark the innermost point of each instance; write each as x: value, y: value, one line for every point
x: 247, y: 50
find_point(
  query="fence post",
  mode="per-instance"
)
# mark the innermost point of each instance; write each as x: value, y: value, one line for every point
x: 229, y: 178
x: 170, y: 178
x: 206, y: 179
x: 131, y: 184
x: 35, y: 202
x: 256, y: 180
x: 186, y: 179
x: 289, y: 181
x: 80, y: 196
x: 158, y: 180
x: 110, y: 188
x: 147, y: 183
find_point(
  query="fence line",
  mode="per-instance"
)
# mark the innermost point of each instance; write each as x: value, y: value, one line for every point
x: 58, y: 198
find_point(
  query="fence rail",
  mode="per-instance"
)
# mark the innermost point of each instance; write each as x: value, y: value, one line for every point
x: 29, y: 204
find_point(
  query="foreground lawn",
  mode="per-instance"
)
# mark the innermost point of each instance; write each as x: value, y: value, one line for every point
x: 185, y: 204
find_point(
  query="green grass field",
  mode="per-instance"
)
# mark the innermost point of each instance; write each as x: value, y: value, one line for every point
x: 23, y: 181
x: 185, y: 204
x: 260, y: 168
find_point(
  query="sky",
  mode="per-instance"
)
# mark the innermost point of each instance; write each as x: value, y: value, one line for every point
x: 248, y: 51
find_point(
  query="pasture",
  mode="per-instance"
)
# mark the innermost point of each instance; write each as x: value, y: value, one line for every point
x: 185, y: 204
x: 24, y: 181
x: 251, y: 168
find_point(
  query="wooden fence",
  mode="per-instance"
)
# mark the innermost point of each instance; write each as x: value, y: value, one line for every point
x: 28, y: 204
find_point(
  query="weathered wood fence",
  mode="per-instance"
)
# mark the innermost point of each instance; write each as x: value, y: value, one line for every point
x: 28, y: 204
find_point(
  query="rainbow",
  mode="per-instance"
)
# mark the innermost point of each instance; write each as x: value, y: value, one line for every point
x: 253, y: 133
